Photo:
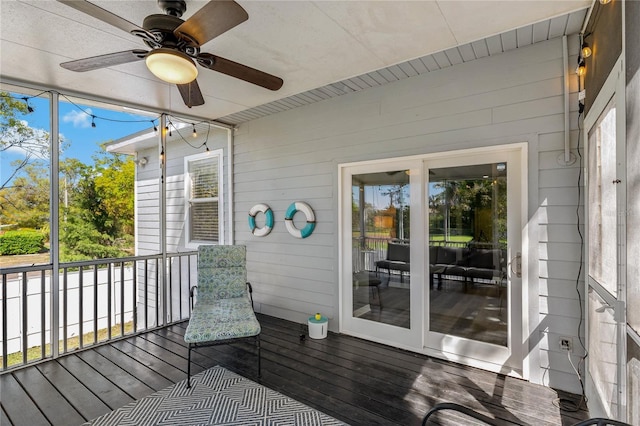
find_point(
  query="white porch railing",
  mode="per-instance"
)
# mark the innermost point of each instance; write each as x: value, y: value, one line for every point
x: 100, y: 300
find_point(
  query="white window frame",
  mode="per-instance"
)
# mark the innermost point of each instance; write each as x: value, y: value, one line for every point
x: 215, y: 154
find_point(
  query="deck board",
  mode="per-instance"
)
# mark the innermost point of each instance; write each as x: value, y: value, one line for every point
x: 132, y: 386
x: 49, y: 400
x: 111, y: 395
x: 17, y: 405
x: 154, y: 362
x: 135, y: 367
x: 84, y: 401
x: 359, y: 382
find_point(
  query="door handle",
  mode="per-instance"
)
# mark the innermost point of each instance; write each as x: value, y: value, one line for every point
x: 517, y: 261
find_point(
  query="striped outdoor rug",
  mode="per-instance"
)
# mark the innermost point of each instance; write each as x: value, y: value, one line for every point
x: 217, y: 397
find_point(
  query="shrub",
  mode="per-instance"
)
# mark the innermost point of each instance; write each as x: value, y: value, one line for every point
x: 21, y: 242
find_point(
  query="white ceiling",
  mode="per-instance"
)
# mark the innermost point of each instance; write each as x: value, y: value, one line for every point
x: 310, y: 44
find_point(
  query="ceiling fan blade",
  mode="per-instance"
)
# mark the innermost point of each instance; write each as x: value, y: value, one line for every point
x: 102, y: 14
x: 213, y: 19
x: 191, y: 94
x: 240, y: 71
x: 103, y: 61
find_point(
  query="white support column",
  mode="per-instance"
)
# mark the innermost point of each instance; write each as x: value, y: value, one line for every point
x: 163, y: 217
x: 54, y: 235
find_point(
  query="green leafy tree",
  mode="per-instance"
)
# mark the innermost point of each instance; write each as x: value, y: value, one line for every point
x: 115, y: 182
x: 98, y: 217
x: 26, y: 202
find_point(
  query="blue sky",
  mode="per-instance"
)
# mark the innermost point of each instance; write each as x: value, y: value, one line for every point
x: 75, y: 127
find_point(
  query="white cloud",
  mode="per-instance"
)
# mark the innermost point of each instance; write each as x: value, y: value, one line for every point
x: 80, y: 119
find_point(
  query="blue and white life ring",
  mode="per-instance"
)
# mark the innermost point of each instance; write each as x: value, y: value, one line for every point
x: 303, y: 207
x: 268, y: 220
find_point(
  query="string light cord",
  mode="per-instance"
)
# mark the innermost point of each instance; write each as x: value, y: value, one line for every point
x: 113, y: 120
x: 583, y: 358
x: 203, y: 144
x: 563, y: 403
x: 580, y: 167
x: 94, y: 117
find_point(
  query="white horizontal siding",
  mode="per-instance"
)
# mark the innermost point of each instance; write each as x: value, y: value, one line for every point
x: 511, y: 97
x: 147, y: 219
x: 148, y: 189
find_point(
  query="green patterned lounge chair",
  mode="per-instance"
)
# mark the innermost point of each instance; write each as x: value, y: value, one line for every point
x: 223, y: 311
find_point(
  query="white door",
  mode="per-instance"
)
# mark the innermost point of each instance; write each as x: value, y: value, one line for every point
x: 474, y: 298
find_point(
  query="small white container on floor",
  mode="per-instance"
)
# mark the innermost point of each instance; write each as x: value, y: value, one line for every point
x: 318, y: 327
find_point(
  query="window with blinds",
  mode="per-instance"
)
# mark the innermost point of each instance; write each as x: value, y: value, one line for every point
x: 203, y: 191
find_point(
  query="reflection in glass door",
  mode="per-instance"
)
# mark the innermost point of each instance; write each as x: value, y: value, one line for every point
x: 381, y: 231
x: 467, y: 252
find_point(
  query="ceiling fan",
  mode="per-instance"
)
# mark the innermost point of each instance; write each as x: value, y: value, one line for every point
x: 175, y: 45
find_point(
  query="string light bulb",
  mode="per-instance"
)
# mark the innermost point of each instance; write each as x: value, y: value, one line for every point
x: 155, y: 128
x: 582, y: 69
x: 586, y: 50
x: 26, y: 101
x: 93, y: 121
x: 194, y: 134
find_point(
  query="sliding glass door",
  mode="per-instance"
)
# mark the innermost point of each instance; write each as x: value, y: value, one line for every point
x: 468, y: 252
x: 430, y: 254
x: 473, y: 205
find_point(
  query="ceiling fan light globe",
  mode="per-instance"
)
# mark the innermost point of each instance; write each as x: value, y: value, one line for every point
x: 171, y: 66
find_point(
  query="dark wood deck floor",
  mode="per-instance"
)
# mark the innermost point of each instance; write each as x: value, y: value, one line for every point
x: 359, y: 382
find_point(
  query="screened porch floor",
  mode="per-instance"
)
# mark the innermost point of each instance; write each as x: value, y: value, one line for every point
x: 356, y: 381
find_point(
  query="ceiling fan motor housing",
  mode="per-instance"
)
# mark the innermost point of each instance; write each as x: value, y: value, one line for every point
x: 173, y: 7
x: 163, y: 26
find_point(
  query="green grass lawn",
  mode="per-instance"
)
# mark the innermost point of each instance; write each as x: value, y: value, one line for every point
x: 453, y: 238
x: 35, y: 353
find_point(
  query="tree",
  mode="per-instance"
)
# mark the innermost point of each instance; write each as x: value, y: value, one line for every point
x: 116, y: 182
x: 17, y: 136
x: 96, y: 201
x: 25, y: 202
x: 98, y: 214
